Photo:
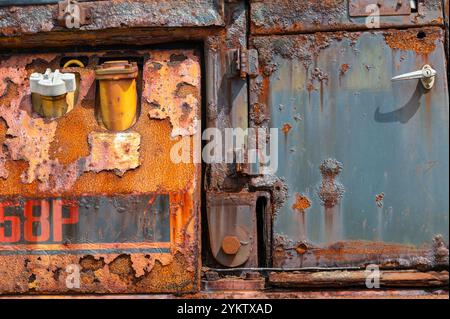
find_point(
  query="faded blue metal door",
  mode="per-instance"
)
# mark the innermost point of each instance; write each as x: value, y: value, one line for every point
x: 365, y: 159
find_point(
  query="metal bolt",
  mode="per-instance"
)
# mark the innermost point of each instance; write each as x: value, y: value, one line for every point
x: 301, y: 249
x: 231, y: 245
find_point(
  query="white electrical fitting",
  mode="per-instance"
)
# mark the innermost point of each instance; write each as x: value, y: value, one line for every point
x: 52, y: 83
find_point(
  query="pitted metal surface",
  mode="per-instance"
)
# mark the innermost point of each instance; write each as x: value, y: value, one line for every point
x: 298, y: 16
x: 52, y: 158
x: 19, y: 20
x: 292, y: 92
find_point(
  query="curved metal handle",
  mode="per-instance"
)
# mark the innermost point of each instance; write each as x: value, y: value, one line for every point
x: 426, y: 75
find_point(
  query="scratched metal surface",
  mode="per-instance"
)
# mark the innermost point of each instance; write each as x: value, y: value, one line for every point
x: 335, y: 94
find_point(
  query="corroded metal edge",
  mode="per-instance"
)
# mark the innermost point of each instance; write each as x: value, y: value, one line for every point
x: 298, y: 16
x: 268, y: 294
x: 20, y: 20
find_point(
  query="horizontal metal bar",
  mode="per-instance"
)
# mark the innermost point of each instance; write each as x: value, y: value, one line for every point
x: 284, y: 269
x: 5, y: 3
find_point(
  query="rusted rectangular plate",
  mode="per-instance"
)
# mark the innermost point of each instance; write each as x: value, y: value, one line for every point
x: 112, y: 205
x: 295, y: 16
x: 364, y: 8
x: 358, y: 278
x: 87, y: 225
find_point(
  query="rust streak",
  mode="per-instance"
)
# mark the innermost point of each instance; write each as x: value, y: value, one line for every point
x: 286, y: 128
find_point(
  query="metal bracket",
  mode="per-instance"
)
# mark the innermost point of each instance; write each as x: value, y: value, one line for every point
x: 73, y: 15
x: 243, y: 62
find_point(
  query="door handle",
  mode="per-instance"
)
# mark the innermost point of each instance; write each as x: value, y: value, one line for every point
x: 426, y: 75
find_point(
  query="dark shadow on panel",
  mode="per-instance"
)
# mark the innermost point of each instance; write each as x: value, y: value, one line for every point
x: 406, y: 112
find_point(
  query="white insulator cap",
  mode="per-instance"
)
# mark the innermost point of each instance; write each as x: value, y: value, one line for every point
x: 52, y: 83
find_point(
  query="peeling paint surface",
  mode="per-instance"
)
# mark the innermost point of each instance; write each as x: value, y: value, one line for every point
x: 179, y: 98
x: 73, y: 159
x: 289, y: 253
x: 329, y: 93
x: 115, y: 14
x: 419, y: 41
x: 50, y: 156
x: 118, y: 152
x: 360, y: 134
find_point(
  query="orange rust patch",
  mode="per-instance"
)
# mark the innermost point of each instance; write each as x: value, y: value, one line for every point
x: 343, y: 250
x: 91, y: 263
x: 344, y: 68
x: 310, y: 87
x: 70, y: 142
x: 184, y: 89
x: 172, y: 88
x: 169, y: 278
x: 422, y: 41
x: 301, y: 249
x: 257, y: 108
x: 286, y: 128
x: 113, y: 273
x: 301, y: 203
x: 66, y: 139
x: 122, y: 267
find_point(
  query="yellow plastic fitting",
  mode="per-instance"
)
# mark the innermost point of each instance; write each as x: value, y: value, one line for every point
x: 117, y: 94
x: 53, y: 106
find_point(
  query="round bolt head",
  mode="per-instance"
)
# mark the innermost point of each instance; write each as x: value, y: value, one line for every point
x: 301, y: 249
x: 231, y: 245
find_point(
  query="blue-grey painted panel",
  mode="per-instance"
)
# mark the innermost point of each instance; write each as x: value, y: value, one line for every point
x: 392, y: 139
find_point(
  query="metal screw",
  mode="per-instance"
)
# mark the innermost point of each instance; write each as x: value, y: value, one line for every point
x: 231, y: 245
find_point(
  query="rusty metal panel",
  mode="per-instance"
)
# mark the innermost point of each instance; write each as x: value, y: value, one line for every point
x: 340, y: 279
x: 34, y: 19
x: 113, y: 204
x: 365, y: 160
x: 290, y: 16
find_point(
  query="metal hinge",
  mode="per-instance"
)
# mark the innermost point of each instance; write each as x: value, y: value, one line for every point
x: 243, y: 62
x: 73, y: 15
